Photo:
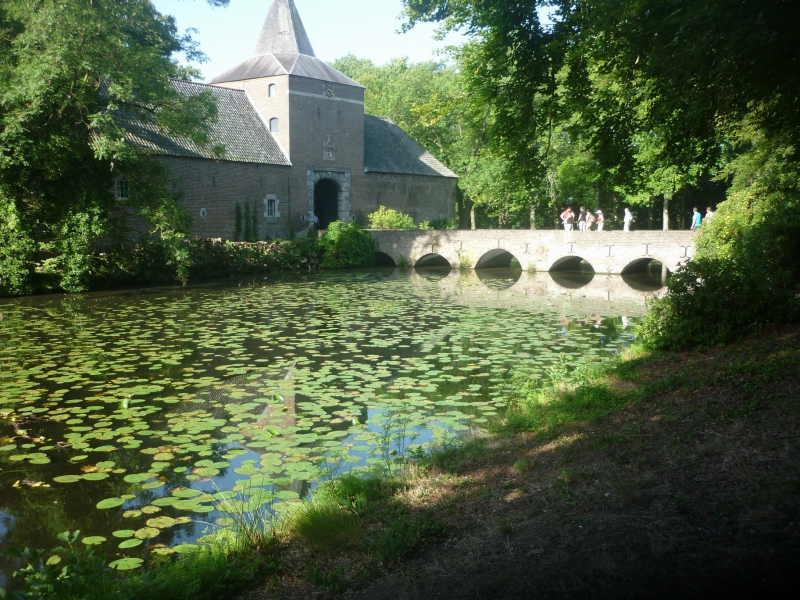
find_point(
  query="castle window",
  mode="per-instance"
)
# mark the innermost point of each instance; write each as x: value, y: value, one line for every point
x: 272, y: 207
x: 122, y: 189
x: 273, y: 125
x: 273, y: 90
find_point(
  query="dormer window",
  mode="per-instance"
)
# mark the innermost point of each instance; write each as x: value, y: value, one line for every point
x: 122, y: 189
x: 273, y: 125
x: 273, y: 90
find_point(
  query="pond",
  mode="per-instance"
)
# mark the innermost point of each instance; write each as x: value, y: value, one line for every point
x: 142, y: 418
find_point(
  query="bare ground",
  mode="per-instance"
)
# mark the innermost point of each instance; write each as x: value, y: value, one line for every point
x: 692, y: 492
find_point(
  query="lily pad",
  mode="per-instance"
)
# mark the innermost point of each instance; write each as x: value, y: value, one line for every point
x: 110, y: 503
x: 126, y: 564
x: 93, y: 540
x: 132, y: 543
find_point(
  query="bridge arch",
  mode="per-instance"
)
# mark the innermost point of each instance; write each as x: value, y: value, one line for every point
x: 384, y: 260
x: 642, y: 265
x: 432, y: 260
x: 497, y: 258
x: 646, y: 274
x: 571, y: 263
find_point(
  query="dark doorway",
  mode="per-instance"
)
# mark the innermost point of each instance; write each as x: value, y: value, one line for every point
x: 326, y: 202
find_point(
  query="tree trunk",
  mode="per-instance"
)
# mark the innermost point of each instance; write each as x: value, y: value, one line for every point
x: 533, y: 217
x: 472, y: 217
x: 665, y: 225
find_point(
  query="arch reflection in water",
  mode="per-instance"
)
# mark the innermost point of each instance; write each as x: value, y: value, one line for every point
x: 572, y: 272
x: 499, y: 278
x: 434, y: 267
x: 646, y: 275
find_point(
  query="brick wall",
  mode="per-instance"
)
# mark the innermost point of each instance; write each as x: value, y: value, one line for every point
x: 321, y: 122
x: 213, y: 189
x: 424, y: 198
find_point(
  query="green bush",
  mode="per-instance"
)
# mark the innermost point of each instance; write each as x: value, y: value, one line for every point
x: 388, y: 218
x: 17, y: 250
x: 443, y: 224
x: 346, y: 246
x: 745, y: 273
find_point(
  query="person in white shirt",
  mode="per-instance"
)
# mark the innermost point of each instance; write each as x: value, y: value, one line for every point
x: 627, y: 220
x: 709, y: 214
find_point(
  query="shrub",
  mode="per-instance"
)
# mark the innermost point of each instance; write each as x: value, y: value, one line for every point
x: 388, y: 218
x: 17, y: 249
x: 745, y: 273
x: 326, y: 526
x: 443, y: 224
x: 346, y: 246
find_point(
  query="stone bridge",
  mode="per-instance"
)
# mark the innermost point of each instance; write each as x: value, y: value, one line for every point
x: 608, y: 252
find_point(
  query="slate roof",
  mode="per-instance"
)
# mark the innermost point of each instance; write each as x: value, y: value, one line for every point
x: 283, y: 48
x: 238, y: 128
x: 389, y: 149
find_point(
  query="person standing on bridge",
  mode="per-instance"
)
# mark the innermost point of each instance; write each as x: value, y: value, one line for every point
x: 697, y: 219
x: 582, y: 219
x: 627, y: 220
x: 568, y: 218
x: 600, y: 220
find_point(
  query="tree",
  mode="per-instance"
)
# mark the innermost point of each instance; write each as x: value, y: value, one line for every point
x: 67, y: 70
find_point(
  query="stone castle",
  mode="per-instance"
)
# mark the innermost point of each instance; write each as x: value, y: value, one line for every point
x: 297, y: 145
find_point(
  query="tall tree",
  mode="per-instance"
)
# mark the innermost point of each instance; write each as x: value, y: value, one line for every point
x: 66, y: 70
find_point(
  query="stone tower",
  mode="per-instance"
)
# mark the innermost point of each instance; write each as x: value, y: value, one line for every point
x: 315, y: 113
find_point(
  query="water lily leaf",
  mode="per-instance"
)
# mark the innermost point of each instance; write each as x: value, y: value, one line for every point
x: 161, y: 522
x: 146, y: 532
x: 137, y: 477
x: 93, y: 540
x: 110, y: 503
x: 130, y: 544
x: 126, y: 564
x: 123, y: 533
x: 150, y: 510
x: 67, y: 478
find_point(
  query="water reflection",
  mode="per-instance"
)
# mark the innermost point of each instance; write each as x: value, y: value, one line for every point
x: 572, y: 280
x: 499, y: 278
x: 433, y: 273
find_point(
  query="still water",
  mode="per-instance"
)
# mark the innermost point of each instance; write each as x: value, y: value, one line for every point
x: 142, y: 418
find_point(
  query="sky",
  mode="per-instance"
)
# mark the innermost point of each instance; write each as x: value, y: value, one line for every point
x: 366, y: 28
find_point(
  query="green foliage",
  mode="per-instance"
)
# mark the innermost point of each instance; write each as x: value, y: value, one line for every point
x: 74, y: 247
x: 326, y: 526
x: 404, y: 535
x: 214, y: 570
x: 389, y: 218
x: 237, y: 230
x: 67, y: 71
x: 442, y: 223
x: 248, y: 223
x: 745, y: 274
x: 17, y: 250
x: 346, y: 246
x: 254, y: 224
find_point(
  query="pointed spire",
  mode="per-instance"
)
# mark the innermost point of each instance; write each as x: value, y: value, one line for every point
x: 283, y: 32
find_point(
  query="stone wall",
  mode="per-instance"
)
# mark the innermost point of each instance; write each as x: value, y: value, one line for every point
x: 424, y: 198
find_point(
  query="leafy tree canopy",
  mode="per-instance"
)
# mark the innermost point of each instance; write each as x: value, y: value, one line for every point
x: 66, y: 70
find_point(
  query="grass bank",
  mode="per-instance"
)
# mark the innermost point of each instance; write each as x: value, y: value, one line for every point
x: 658, y: 475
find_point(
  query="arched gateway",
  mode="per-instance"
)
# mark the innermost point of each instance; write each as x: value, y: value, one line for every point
x: 326, y: 202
